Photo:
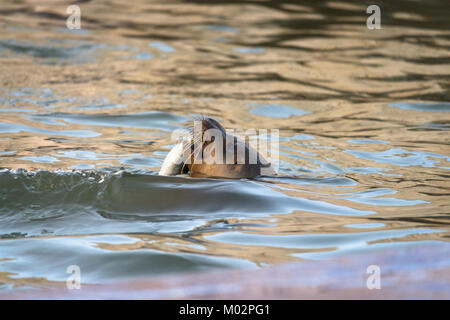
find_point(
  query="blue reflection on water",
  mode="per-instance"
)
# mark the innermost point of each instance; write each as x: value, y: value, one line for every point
x: 426, y: 107
x: 276, y: 110
x: 161, y: 46
x: 401, y: 157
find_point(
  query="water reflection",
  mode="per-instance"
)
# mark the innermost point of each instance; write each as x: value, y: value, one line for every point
x: 363, y: 120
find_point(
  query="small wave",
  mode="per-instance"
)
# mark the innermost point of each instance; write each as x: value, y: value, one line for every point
x: 88, y: 201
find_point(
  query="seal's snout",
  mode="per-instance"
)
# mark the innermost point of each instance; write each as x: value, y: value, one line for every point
x: 208, y: 150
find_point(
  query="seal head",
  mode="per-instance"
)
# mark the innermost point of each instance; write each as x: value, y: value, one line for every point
x: 209, y: 151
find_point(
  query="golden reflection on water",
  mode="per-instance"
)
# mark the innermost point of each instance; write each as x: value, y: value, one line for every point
x: 221, y: 59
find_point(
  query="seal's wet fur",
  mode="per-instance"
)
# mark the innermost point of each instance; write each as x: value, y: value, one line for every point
x: 195, y: 144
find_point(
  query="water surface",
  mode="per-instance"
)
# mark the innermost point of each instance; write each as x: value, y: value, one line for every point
x: 87, y: 117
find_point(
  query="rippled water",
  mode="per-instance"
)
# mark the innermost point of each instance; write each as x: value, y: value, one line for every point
x: 86, y: 120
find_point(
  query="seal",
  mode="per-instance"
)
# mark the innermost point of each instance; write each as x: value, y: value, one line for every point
x: 207, y: 150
